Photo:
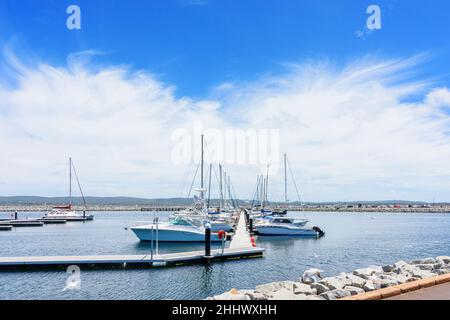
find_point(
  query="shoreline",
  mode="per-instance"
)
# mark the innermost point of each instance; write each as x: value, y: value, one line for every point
x: 363, y: 281
x: 168, y: 208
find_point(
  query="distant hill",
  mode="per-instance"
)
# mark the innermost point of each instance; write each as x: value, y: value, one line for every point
x: 34, y: 200
x: 27, y: 200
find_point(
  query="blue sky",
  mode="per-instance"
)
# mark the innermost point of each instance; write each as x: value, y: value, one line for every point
x: 198, y: 44
x: 361, y: 117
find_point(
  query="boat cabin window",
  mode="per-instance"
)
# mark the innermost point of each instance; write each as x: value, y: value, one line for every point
x: 180, y: 222
x: 282, y: 221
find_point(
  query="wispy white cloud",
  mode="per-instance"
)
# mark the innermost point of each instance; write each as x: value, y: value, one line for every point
x: 193, y: 2
x: 350, y: 132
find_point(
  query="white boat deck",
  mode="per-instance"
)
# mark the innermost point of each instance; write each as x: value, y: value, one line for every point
x: 241, y: 238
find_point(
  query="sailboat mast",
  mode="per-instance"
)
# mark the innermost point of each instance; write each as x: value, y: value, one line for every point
x: 285, y: 180
x: 267, y: 185
x: 70, y: 181
x: 262, y: 190
x: 202, y: 195
x: 221, y: 187
x: 209, y: 185
x: 257, y: 188
x: 230, y: 197
x: 225, y: 202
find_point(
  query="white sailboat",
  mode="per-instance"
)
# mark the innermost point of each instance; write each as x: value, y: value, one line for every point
x: 67, y: 212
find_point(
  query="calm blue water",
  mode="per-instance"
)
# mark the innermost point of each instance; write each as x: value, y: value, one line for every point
x: 352, y: 240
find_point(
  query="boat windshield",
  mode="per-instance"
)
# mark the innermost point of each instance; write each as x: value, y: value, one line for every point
x: 278, y: 220
x: 181, y: 221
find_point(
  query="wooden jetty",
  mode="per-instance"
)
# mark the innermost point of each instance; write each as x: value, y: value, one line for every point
x: 127, y: 261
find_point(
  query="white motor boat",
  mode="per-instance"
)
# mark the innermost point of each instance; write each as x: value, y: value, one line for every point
x: 67, y: 213
x: 218, y: 221
x: 281, y: 226
x: 177, y: 229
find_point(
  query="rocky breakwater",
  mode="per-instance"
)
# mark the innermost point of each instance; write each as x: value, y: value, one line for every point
x: 312, y: 286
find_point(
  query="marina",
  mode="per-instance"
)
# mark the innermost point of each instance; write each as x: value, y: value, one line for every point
x: 240, y: 247
x: 342, y: 249
x: 201, y: 235
x: 224, y: 150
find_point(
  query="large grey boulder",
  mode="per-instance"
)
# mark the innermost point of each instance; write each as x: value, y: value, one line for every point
x: 275, y: 286
x: 424, y: 261
x: 423, y: 274
x: 400, y: 264
x: 438, y: 266
x: 407, y: 269
x: 335, y: 294
x: 253, y: 295
x: 428, y: 267
x: 302, y: 288
x: 285, y: 294
x: 321, y: 288
x: 443, y: 271
x: 335, y: 283
x: 290, y: 285
x: 365, y: 273
x: 388, y: 268
x: 443, y: 259
x: 355, y: 281
x: 385, y: 283
x: 314, y: 297
x: 369, y: 286
x: 231, y: 296
x: 398, y: 278
x: 268, y: 287
x: 354, y: 290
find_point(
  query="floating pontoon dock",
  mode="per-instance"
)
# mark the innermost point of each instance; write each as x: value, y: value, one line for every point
x: 31, y: 222
x: 125, y: 261
x: 240, y: 247
x: 241, y: 238
x: 23, y: 223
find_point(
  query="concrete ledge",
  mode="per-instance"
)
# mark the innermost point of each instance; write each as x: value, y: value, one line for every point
x: 401, y: 288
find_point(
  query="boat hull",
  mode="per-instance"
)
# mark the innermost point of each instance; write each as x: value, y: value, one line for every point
x: 286, y: 231
x: 69, y: 218
x: 145, y: 234
x: 218, y: 226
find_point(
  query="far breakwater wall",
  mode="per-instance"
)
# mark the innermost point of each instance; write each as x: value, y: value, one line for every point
x: 131, y: 208
x: 405, y: 209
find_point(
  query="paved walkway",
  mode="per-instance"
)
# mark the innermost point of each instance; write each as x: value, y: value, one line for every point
x: 439, y: 292
x: 241, y: 238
